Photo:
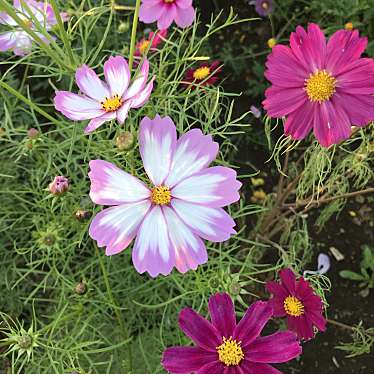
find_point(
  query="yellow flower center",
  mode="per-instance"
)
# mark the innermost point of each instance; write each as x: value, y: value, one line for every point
x: 293, y: 306
x: 320, y: 86
x: 143, y: 46
x: 201, y: 73
x: 161, y: 195
x: 230, y: 352
x: 169, y: 1
x: 112, y: 104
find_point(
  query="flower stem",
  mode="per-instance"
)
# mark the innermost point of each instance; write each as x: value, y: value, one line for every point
x: 133, y: 33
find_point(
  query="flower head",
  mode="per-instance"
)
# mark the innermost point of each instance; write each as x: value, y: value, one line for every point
x: 59, y: 185
x: 19, y: 41
x: 206, y: 74
x: 319, y: 86
x: 150, y: 43
x: 102, y: 101
x: 297, y: 301
x: 263, y: 7
x: 182, y: 205
x: 223, y: 346
x: 167, y: 11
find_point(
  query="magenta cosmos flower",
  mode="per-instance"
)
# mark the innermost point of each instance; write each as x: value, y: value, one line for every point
x: 183, y: 205
x: 297, y: 301
x: 319, y: 86
x: 19, y: 41
x: 101, y: 101
x: 167, y: 11
x: 224, y: 347
x: 151, y: 43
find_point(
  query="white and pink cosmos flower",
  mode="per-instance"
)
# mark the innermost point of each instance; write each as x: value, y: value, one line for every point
x: 105, y: 101
x: 18, y: 40
x: 182, y: 206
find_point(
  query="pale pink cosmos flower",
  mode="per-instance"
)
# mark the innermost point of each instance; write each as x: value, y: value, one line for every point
x: 167, y: 11
x: 19, y: 41
x: 168, y: 219
x: 102, y: 101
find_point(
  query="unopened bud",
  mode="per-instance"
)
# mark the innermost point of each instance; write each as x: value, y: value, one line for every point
x: 59, y: 185
x: 81, y: 215
x: 123, y: 27
x: 33, y: 133
x: 25, y: 341
x: 349, y: 26
x: 125, y: 141
x: 272, y: 42
x: 235, y: 288
x: 2, y: 132
x: 80, y: 288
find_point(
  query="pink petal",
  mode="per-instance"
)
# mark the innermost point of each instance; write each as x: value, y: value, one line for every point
x: 157, y: 139
x: 5, y: 19
x: 116, y: 227
x: 95, y: 123
x: 302, y: 326
x: 318, y: 320
x: 183, y: 4
x: 90, y: 84
x: 167, y: 17
x: 288, y: 279
x: 123, y: 112
x: 222, y: 313
x: 7, y: 41
x: 300, y: 122
x: 141, y: 98
x: 117, y: 75
x: 149, y: 13
x: 254, y: 368
x: 185, y: 17
x: 215, y: 367
x: 111, y: 185
x: 139, y: 83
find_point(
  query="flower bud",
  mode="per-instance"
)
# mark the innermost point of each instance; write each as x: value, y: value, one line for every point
x: 80, y: 288
x: 125, y: 141
x: 235, y: 288
x: 2, y: 132
x: 123, y: 27
x: 81, y: 215
x: 33, y: 133
x: 59, y: 185
x: 349, y: 26
x: 25, y: 341
x: 272, y: 42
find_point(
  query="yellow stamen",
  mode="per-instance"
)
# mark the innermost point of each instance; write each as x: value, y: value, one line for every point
x: 201, y: 73
x: 112, y: 104
x: 230, y: 352
x: 161, y: 195
x: 169, y: 1
x: 320, y: 86
x: 143, y: 46
x: 293, y: 306
x: 349, y: 26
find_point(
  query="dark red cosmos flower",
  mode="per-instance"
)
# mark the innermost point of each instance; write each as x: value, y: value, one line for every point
x: 145, y: 43
x: 205, y: 75
x: 225, y: 347
x: 297, y: 301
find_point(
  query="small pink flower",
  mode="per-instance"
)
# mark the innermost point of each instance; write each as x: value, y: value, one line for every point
x: 151, y: 43
x: 19, y: 41
x: 167, y: 11
x: 59, y: 185
x: 102, y: 101
x: 168, y: 219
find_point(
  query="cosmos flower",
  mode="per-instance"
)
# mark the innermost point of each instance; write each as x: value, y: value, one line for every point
x: 19, y: 41
x: 319, y: 86
x: 167, y: 11
x: 263, y: 7
x: 205, y: 75
x: 183, y: 205
x: 101, y: 101
x: 297, y: 301
x: 223, y: 346
x: 151, y: 43
x: 59, y: 185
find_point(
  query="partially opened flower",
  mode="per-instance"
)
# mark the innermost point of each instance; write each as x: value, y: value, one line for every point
x: 223, y: 346
x: 165, y: 12
x: 206, y: 74
x: 183, y: 204
x: 319, y: 86
x: 19, y: 41
x: 150, y: 43
x: 297, y: 301
x: 105, y: 101
x: 263, y: 7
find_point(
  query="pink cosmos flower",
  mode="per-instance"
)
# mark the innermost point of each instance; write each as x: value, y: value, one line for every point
x: 183, y: 205
x: 167, y: 11
x: 319, y: 86
x: 297, y: 301
x: 225, y: 347
x: 152, y: 42
x: 101, y: 101
x: 19, y: 41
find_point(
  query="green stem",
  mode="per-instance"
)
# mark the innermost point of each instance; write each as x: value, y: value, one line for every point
x: 28, y: 102
x: 133, y: 33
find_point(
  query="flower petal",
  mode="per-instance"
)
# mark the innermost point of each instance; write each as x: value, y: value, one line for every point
x: 7, y: 41
x: 222, y: 313
x: 157, y: 139
x: 142, y: 97
x: 151, y: 12
x: 116, y: 227
x: 214, y: 367
x: 302, y: 326
x: 77, y: 107
x: 90, y: 84
x: 254, y: 368
x: 95, y: 123
x: 111, y: 185
x: 288, y: 279
x: 167, y: 17
x: 185, y: 17
x: 123, y: 112
x: 117, y: 74
x: 194, y: 152
x: 254, y: 320
x: 139, y: 82
x: 213, y: 187
x: 300, y: 122
x: 277, y: 348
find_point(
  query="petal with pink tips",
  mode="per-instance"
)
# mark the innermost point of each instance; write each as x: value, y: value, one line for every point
x: 184, y: 17
x: 90, y: 84
x: 139, y: 82
x: 117, y: 75
x: 123, y: 112
x: 95, y: 123
x: 142, y: 97
x: 222, y: 313
x: 111, y: 186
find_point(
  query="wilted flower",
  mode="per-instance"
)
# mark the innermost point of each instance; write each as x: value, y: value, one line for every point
x: 319, y: 86
x: 101, y: 101
x: 297, y: 301
x: 19, y: 41
x: 223, y: 346
x: 263, y: 7
x: 59, y: 185
x: 33, y: 133
x: 168, y: 219
x: 151, y: 43
x: 81, y: 214
x: 167, y: 11
x: 80, y: 288
x: 323, y: 267
x: 205, y: 75
x: 255, y: 111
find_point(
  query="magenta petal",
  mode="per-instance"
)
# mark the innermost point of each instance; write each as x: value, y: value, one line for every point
x: 317, y: 319
x: 277, y: 348
x: 186, y: 359
x: 288, y: 279
x: 255, y: 368
x: 254, y: 320
x: 300, y: 122
x: 222, y: 314
x: 302, y: 326
x: 202, y: 332
x: 213, y: 368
